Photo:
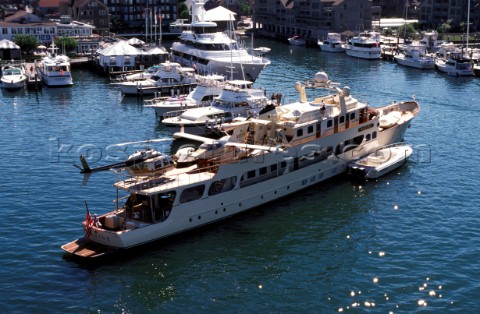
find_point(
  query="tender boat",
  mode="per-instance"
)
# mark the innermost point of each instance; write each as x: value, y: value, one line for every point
x: 170, y: 78
x: 297, y: 41
x: 333, y: 43
x: 381, y: 162
x: 13, y: 77
x: 202, y: 47
x: 55, y: 70
x: 237, y: 99
x: 261, y: 50
x: 298, y: 145
x: 415, y: 56
x: 365, y: 46
x: 208, y: 87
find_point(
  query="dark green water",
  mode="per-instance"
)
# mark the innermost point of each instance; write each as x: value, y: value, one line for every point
x: 408, y: 242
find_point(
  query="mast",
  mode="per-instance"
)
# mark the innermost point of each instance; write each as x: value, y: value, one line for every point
x: 468, y: 24
x: 146, y: 22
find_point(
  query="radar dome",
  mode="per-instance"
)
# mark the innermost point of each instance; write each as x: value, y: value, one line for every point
x: 321, y: 77
x: 298, y: 86
x: 346, y: 91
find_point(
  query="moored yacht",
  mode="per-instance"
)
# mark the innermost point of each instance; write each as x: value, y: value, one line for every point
x: 208, y: 87
x: 416, y: 57
x: 237, y: 100
x: 333, y: 43
x: 169, y: 78
x: 297, y: 40
x: 13, y: 77
x: 210, y: 51
x: 296, y: 146
x: 365, y: 45
x: 55, y: 70
x: 455, y: 64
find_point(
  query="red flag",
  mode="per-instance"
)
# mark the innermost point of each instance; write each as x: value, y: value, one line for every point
x: 88, y: 225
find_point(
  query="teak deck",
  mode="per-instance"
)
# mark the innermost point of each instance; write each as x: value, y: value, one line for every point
x: 86, y: 249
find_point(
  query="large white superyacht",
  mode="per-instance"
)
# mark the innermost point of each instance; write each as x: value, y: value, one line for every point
x: 211, y: 51
x: 298, y: 145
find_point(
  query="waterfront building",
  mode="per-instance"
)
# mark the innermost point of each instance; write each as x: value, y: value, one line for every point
x: 137, y: 17
x: 92, y: 12
x: 24, y: 23
x: 311, y: 19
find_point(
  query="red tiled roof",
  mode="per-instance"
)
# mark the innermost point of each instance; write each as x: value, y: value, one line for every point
x: 49, y: 3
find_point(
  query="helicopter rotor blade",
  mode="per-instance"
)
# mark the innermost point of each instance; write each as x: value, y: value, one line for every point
x: 145, y: 141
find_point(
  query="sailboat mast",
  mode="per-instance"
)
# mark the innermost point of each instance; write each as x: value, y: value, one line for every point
x: 468, y: 24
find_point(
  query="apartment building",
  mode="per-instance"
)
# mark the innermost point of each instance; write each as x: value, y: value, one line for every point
x: 311, y: 19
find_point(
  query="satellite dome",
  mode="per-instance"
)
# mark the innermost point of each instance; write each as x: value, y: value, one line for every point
x: 321, y: 77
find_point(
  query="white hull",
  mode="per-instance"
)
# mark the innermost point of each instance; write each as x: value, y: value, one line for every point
x: 57, y: 80
x: 371, y: 54
x: 228, y: 67
x: 381, y: 162
x: 13, y: 77
x: 55, y: 71
x: 452, y: 70
x: 160, y: 110
x: 295, y: 146
x: 297, y: 42
x: 9, y: 84
x: 214, y: 208
x: 329, y: 48
x: 419, y: 64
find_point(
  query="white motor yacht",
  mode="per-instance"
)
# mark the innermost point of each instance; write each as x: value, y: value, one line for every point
x: 297, y: 146
x: 297, y: 41
x: 238, y: 99
x: 170, y: 79
x: 455, y: 64
x: 366, y: 45
x: 208, y: 87
x: 415, y: 56
x: 55, y: 70
x: 333, y: 43
x: 207, y: 50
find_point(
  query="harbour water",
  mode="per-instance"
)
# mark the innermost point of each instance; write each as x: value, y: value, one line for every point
x: 409, y: 242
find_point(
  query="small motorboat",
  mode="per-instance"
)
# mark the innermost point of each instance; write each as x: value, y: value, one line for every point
x: 381, y: 162
x: 13, y: 77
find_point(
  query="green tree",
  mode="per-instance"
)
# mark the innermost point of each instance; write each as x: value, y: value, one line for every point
x: 445, y: 27
x: 407, y: 30
x: 245, y: 9
x: 65, y: 44
x: 183, y: 12
x: 27, y: 43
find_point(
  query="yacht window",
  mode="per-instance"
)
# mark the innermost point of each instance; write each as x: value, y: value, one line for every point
x: 352, y: 116
x: 299, y: 132
x: 342, y: 119
x: 374, y: 135
x: 368, y: 137
x: 329, y: 123
x: 223, y: 185
x: 283, y: 164
x: 310, y: 129
x: 192, y: 193
x: 251, y: 174
x: 273, y: 168
x: 262, y: 171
